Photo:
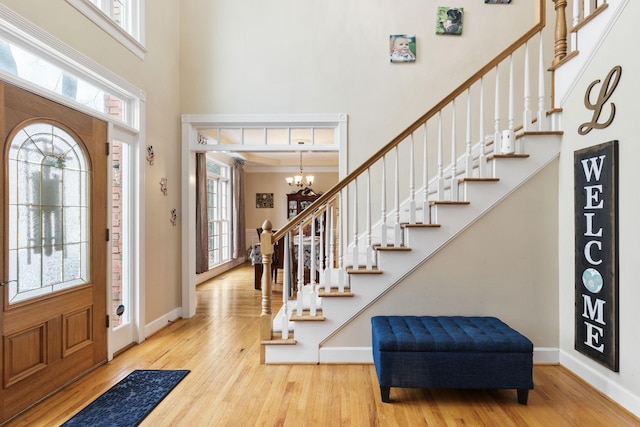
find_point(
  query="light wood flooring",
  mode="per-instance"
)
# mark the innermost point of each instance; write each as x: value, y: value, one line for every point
x: 228, y: 386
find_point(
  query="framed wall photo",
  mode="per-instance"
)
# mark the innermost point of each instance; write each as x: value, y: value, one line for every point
x: 402, y: 47
x: 449, y: 20
x: 264, y: 200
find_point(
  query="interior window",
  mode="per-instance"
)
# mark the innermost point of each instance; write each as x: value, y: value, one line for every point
x: 218, y: 212
x: 123, y: 19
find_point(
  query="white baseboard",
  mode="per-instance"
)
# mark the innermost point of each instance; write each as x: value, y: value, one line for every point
x: 541, y: 355
x: 162, y: 322
x: 600, y: 382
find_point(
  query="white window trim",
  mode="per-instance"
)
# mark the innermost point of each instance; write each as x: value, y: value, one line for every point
x: 134, y: 42
x: 22, y: 32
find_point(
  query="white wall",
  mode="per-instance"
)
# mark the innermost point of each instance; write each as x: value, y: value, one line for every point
x: 504, y: 265
x: 623, y: 386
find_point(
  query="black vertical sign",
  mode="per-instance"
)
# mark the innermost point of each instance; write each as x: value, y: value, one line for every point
x: 596, y: 253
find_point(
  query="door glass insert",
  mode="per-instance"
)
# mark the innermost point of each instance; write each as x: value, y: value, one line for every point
x: 48, y: 212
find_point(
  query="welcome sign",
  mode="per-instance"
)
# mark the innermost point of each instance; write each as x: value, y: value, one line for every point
x: 596, y: 253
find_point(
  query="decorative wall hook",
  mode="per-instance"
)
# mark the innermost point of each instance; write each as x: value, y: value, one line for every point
x: 163, y: 185
x: 150, y: 154
x: 174, y: 216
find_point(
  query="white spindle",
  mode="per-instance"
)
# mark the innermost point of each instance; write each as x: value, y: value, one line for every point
x: 508, y: 137
x: 482, y: 158
x: 369, y: 260
x: 454, y: 156
x: 342, y: 227
x: 575, y: 20
x: 397, y: 236
x: 469, y: 157
x: 412, y: 184
x: 300, y: 261
x: 286, y: 286
x: 526, y: 115
x: 497, y: 135
x: 356, y: 251
x: 331, y: 237
x: 589, y: 5
x: 323, y: 244
x: 440, y: 161
x: 312, y: 267
x: 426, y: 211
x: 383, y: 203
x: 541, y: 72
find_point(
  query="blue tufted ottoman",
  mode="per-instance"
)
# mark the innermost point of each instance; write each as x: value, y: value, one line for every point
x: 450, y: 352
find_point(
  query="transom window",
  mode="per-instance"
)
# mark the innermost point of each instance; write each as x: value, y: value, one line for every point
x: 48, y: 212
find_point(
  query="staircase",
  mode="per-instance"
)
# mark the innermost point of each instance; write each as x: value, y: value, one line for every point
x: 463, y: 178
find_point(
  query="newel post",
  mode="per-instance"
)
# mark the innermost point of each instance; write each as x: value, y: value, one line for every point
x: 560, y: 47
x: 266, y: 249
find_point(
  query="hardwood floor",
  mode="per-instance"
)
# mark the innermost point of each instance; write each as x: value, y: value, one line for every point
x: 227, y: 385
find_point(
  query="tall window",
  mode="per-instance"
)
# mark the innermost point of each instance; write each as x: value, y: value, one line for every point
x: 218, y: 212
x: 122, y: 19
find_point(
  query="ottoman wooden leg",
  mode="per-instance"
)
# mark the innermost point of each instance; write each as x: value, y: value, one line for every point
x: 523, y: 395
x: 384, y: 391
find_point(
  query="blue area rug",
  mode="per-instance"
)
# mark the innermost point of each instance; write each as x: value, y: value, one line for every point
x: 130, y: 401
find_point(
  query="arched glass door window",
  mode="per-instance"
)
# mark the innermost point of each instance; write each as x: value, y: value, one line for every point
x: 48, y: 212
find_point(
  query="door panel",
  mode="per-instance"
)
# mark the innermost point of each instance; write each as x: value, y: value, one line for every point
x: 50, y: 340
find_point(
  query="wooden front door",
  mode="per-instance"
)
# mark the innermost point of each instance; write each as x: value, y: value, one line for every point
x: 53, y: 181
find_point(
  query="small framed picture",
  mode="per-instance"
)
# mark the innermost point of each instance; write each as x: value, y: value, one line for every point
x: 497, y: 1
x: 449, y: 20
x: 402, y: 47
x: 264, y: 200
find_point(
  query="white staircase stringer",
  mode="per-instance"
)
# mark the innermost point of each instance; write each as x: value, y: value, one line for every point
x: 424, y: 243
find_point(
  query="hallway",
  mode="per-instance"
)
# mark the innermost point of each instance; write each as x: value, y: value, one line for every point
x: 228, y: 387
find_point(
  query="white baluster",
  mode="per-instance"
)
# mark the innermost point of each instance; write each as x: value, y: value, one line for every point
x: 383, y: 203
x: 454, y: 156
x: 508, y: 137
x: 541, y: 72
x: 482, y: 159
x: 527, y: 114
x: 412, y: 184
x: 300, y: 260
x: 369, y: 260
x: 286, y: 286
x: 440, y: 161
x: 342, y: 274
x: 469, y: 156
x: 497, y: 135
x: 397, y: 235
x: 330, y: 263
x: 356, y: 250
x: 426, y: 211
x: 312, y: 267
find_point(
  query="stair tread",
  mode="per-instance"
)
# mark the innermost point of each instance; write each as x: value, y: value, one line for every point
x: 447, y: 202
x: 279, y: 341
x: 306, y: 316
x: 508, y: 156
x: 461, y: 180
x: 391, y: 248
x: 363, y: 270
x: 418, y: 225
x: 334, y: 293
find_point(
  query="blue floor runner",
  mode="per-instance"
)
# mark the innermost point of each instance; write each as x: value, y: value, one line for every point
x: 130, y: 401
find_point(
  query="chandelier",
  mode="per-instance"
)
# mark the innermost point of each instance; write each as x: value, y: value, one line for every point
x: 300, y: 180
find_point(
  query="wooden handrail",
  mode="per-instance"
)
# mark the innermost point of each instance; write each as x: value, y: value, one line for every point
x: 333, y: 191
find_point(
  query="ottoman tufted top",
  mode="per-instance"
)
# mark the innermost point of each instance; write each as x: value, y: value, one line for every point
x: 447, y: 333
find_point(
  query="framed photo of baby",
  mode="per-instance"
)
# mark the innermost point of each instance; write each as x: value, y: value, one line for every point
x: 449, y: 20
x: 402, y: 47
